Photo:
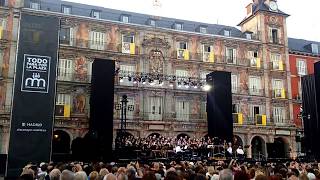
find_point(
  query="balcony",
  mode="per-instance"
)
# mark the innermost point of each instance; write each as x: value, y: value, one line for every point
x: 279, y: 94
x: 208, y: 57
x: 255, y: 63
x: 275, y: 40
x: 5, y: 110
x: 70, y: 123
x: 73, y: 77
x: 277, y: 66
x: 182, y: 54
x: 155, y: 116
x: 256, y: 92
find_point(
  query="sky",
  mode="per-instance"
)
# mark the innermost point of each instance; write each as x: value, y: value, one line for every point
x: 303, y: 22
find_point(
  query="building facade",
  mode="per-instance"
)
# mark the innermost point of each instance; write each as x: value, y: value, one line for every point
x: 302, y: 56
x: 161, y: 64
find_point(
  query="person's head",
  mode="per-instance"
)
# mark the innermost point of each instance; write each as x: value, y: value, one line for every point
x: 149, y: 176
x: 200, y: 176
x: 55, y: 174
x: 80, y: 175
x: 67, y: 175
x: 225, y: 174
x: 109, y: 176
x: 27, y: 172
x: 103, y: 172
x: 303, y: 177
x: 44, y: 167
x: 274, y: 177
x: 261, y: 177
x: 172, y: 175
x: 241, y: 175
x: 131, y: 173
x: 211, y: 170
x: 94, y: 175
x: 122, y: 176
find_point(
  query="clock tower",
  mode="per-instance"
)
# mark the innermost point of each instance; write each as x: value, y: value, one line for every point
x: 267, y: 23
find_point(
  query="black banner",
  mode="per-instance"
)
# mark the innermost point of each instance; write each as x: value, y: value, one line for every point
x: 34, y: 93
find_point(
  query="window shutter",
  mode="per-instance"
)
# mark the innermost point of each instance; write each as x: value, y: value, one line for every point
x: 234, y: 52
x: 270, y: 34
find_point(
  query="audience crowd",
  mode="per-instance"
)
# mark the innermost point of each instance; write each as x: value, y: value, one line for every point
x: 183, y: 170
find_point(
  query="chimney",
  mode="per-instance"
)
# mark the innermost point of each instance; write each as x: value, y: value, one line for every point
x: 249, y: 9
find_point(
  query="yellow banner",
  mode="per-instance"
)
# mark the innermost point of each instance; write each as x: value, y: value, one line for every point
x: 186, y: 54
x: 66, y: 111
x: 258, y: 63
x: 264, y: 120
x: 132, y: 48
x: 211, y: 57
x: 0, y: 32
x: 240, y: 118
x: 280, y: 65
x: 283, y: 93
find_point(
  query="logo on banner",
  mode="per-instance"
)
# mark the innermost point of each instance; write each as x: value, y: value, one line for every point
x: 35, y: 74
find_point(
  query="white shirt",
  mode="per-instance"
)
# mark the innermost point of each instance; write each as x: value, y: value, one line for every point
x: 240, y: 151
x: 178, y: 149
x: 229, y: 150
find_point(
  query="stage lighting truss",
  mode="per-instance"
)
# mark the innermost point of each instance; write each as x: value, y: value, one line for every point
x: 161, y: 80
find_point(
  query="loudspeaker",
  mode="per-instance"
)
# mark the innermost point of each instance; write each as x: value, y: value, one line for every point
x: 101, y: 107
x: 311, y: 111
x: 219, y: 105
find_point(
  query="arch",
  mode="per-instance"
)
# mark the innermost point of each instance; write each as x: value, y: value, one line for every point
x: 237, y: 141
x: 280, y: 148
x: 183, y: 135
x: 154, y: 134
x: 61, y: 142
x: 258, y: 147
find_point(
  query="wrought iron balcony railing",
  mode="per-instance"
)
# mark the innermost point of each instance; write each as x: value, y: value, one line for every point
x: 275, y: 40
x: 73, y: 77
x: 156, y: 116
x: 256, y: 92
x: 5, y: 109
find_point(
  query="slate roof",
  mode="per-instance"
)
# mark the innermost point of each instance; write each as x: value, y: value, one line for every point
x: 135, y: 18
x: 301, y: 45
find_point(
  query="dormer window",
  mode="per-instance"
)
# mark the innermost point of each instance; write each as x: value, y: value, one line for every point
x: 248, y: 35
x: 151, y: 22
x: 95, y: 14
x: 35, y: 5
x: 227, y: 33
x: 178, y: 26
x: 315, y: 48
x: 125, y: 18
x: 66, y: 9
x: 203, y: 29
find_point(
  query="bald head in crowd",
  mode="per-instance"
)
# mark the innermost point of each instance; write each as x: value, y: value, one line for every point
x: 225, y: 174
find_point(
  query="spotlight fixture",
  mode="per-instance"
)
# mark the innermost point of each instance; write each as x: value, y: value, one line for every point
x: 121, y: 79
x: 195, y: 87
x: 171, y: 84
x: 179, y: 84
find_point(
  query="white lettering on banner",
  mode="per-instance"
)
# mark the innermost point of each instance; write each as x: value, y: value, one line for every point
x: 36, y: 73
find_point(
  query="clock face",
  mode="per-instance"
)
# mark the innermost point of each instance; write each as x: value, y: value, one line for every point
x: 273, y: 6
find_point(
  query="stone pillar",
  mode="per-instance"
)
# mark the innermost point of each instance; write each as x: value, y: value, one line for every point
x: 248, y: 143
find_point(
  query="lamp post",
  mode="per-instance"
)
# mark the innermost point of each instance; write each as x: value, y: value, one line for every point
x: 124, y: 107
